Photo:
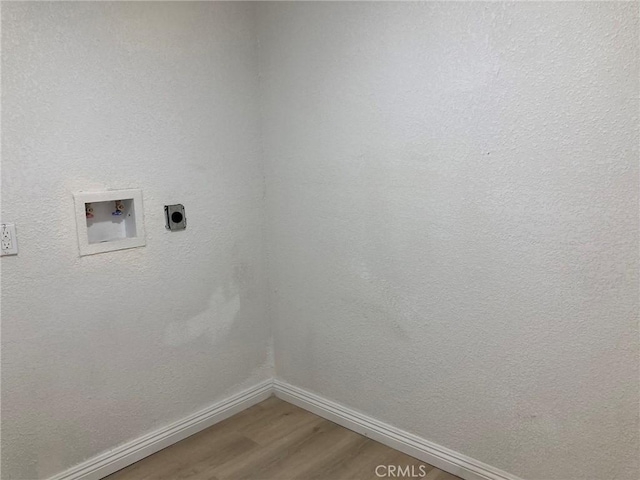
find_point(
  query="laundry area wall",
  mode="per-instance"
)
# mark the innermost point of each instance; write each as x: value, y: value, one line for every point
x: 101, y: 349
x: 425, y: 212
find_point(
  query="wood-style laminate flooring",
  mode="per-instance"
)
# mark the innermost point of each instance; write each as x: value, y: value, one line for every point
x: 275, y: 440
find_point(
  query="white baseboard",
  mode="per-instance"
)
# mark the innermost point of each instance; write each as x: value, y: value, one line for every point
x: 124, y: 455
x: 448, y: 460
x: 431, y: 453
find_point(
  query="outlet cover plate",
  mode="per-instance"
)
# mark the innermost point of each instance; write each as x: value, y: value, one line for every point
x: 175, y: 217
x: 8, y: 240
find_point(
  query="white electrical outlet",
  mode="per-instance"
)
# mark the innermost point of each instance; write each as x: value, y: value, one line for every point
x: 8, y: 240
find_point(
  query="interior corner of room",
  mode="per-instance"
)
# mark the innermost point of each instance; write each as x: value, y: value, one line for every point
x: 319, y: 240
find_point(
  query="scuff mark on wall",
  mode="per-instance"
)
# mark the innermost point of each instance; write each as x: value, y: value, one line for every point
x: 214, y: 321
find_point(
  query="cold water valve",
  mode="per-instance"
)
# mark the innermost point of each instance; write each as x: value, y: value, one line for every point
x: 119, y: 208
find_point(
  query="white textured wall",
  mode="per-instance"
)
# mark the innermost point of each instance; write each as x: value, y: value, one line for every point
x: 453, y: 198
x: 452, y: 209
x: 101, y: 349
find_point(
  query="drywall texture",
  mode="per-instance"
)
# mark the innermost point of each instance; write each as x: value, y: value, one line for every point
x: 102, y: 349
x: 452, y: 195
